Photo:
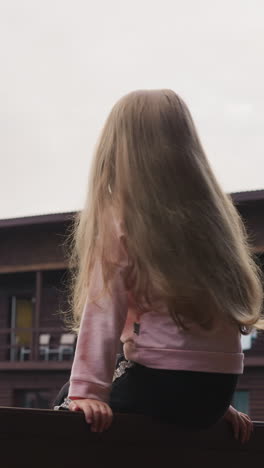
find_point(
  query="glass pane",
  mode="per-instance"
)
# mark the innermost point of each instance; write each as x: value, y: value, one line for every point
x: 241, y: 400
x: 32, y: 398
x: 21, y: 317
x: 24, y: 320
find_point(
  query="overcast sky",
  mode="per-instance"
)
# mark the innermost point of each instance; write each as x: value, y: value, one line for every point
x: 65, y: 62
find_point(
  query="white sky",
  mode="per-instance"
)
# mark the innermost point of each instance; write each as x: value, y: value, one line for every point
x: 65, y: 62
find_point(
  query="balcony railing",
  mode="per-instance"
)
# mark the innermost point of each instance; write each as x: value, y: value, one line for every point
x: 30, y: 344
x: 62, y: 439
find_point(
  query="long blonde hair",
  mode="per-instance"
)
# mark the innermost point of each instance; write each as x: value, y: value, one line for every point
x: 185, y: 239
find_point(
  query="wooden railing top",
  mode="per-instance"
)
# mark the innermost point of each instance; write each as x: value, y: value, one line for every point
x: 61, y: 439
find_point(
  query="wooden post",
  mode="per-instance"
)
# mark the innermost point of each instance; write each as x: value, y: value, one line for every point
x: 35, y: 344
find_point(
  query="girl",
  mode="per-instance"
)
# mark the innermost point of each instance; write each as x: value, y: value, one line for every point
x: 162, y: 261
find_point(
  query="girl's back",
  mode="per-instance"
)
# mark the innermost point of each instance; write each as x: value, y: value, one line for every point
x: 177, y: 282
x: 184, y: 238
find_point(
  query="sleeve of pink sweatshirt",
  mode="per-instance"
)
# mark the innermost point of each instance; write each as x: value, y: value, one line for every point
x: 98, y: 340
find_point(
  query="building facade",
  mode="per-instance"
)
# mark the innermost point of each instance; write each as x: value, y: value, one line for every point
x: 36, y: 349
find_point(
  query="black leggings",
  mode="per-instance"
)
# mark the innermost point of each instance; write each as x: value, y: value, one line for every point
x: 190, y: 400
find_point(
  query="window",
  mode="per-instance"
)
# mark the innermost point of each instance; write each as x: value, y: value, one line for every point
x: 22, y: 319
x: 247, y: 341
x: 40, y: 398
x: 241, y: 401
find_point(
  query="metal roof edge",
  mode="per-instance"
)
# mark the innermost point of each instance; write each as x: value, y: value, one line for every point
x: 38, y: 219
x: 253, y: 195
x: 237, y: 197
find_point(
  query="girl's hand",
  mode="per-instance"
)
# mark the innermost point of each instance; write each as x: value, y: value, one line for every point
x: 97, y: 413
x: 241, y: 424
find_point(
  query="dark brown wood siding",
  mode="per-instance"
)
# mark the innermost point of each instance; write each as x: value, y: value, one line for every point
x: 27, y: 245
x: 252, y: 213
x: 10, y: 381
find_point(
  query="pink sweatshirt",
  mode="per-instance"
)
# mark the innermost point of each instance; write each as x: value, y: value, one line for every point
x: 158, y: 344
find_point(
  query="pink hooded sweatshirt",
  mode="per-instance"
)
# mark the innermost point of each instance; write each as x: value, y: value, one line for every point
x: 157, y: 342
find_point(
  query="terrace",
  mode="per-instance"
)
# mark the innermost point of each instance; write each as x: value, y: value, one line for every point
x: 32, y: 332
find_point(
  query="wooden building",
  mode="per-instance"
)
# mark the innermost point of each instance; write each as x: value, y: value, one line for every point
x: 36, y: 349
x: 250, y: 393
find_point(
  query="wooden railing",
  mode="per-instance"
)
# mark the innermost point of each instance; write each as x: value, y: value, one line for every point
x: 12, y: 349
x: 58, y: 439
